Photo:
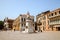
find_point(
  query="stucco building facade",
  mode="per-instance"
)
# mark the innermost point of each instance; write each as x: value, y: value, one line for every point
x: 20, y: 23
x: 49, y: 20
x: 8, y: 23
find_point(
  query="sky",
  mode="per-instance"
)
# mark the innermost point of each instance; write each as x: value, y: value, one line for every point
x: 13, y: 8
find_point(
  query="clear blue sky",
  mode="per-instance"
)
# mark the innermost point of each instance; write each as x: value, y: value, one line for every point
x: 13, y: 8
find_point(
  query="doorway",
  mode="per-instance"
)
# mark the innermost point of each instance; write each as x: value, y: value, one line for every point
x: 58, y: 28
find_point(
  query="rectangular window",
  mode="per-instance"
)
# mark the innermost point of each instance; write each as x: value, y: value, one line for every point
x: 22, y: 25
x: 55, y: 13
x: 33, y: 20
x: 24, y: 19
x: 59, y: 12
x: 52, y: 14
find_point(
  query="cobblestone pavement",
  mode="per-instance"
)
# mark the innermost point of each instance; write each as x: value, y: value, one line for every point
x: 8, y: 35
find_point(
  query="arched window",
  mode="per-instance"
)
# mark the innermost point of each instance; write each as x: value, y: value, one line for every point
x: 55, y: 13
x: 59, y: 12
x: 52, y: 14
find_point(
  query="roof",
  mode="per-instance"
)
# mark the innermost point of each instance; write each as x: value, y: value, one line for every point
x: 43, y: 12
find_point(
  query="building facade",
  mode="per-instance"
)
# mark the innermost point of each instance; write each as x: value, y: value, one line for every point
x: 8, y: 23
x: 20, y: 23
x: 49, y: 20
x: 54, y: 20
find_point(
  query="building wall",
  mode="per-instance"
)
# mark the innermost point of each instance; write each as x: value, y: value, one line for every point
x: 54, y: 18
x: 16, y: 24
x: 8, y: 23
x: 20, y: 21
x: 43, y: 19
x: 49, y: 19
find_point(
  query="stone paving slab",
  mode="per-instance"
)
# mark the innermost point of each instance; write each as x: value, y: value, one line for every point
x: 17, y: 35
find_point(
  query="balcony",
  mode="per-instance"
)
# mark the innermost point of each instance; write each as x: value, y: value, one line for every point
x: 54, y: 22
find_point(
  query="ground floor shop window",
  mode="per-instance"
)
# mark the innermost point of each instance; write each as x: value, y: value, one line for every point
x: 58, y: 28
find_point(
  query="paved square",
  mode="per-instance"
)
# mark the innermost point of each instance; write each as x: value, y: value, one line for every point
x: 8, y: 35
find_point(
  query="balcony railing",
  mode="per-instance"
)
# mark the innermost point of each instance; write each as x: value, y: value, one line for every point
x: 54, y: 23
